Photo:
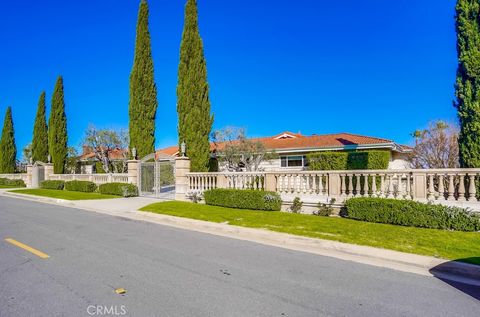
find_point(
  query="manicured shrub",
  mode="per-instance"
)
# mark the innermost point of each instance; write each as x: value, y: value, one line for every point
x: 119, y: 189
x: 243, y: 199
x: 412, y: 213
x: 12, y: 182
x: 361, y: 160
x: 59, y: 185
x: 327, y: 161
x: 81, y: 186
x: 324, y: 209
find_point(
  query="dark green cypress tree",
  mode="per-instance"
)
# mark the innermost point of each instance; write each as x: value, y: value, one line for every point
x: 143, y: 91
x: 8, y: 150
x: 468, y: 81
x: 57, y: 132
x: 40, y: 133
x: 193, y: 103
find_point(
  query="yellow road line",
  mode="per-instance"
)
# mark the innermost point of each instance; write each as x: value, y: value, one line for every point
x: 29, y: 249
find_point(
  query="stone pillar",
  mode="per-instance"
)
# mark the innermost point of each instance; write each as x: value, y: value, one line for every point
x: 419, y: 186
x: 133, y: 169
x: 270, y: 182
x: 48, y: 168
x: 182, y: 167
x: 29, y: 176
x: 334, y: 185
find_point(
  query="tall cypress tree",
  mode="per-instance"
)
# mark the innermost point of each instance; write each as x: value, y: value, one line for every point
x: 468, y: 81
x: 8, y: 150
x: 57, y: 132
x: 40, y: 133
x: 143, y: 91
x: 193, y: 103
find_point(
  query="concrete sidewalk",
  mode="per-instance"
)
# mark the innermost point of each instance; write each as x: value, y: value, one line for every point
x: 406, y: 262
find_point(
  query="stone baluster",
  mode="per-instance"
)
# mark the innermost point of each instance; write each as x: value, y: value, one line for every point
x: 472, y: 190
x: 401, y: 192
x: 320, y: 185
x: 441, y: 187
x: 390, y: 193
x: 451, y: 187
x: 409, y: 187
x: 342, y: 185
x: 431, y: 188
x: 358, y: 188
x: 381, y: 192
x: 374, y: 185
x: 365, y: 185
x: 461, y: 188
x: 350, y: 185
x: 314, y: 184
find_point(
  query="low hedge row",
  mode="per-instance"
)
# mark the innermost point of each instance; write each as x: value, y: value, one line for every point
x: 411, y: 213
x: 81, y: 186
x: 119, y: 189
x: 58, y: 185
x: 243, y: 199
x: 12, y: 182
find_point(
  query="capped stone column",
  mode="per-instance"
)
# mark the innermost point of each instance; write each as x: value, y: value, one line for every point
x: 133, y: 169
x: 182, y: 168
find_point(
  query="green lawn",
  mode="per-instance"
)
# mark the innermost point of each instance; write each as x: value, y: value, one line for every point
x: 453, y: 245
x: 63, y: 194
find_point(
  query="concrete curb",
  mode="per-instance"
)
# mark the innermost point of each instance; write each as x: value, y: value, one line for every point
x: 405, y: 262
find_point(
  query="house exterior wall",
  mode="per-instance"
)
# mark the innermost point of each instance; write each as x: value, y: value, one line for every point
x: 397, y: 161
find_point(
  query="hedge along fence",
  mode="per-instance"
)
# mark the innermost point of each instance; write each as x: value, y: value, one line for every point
x: 52, y: 184
x: 119, y: 189
x: 361, y: 160
x: 243, y: 199
x: 12, y: 182
x: 412, y: 213
x: 80, y: 186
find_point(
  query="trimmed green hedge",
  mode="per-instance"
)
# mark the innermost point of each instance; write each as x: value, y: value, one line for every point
x: 12, y: 182
x: 368, y: 160
x: 119, y: 189
x: 243, y: 199
x: 59, y: 185
x: 412, y: 213
x: 80, y: 186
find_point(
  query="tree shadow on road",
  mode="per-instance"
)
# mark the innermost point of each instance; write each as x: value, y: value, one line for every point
x: 460, y: 274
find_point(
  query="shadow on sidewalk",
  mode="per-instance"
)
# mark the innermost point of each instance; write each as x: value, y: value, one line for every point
x: 468, y: 271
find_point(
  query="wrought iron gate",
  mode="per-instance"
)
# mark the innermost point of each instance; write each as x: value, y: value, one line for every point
x: 156, y: 177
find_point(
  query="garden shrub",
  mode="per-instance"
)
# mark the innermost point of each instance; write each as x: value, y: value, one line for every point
x: 119, y: 189
x: 327, y: 161
x: 296, y: 206
x: 324, y: 209
x: 412, y: 213
x: 361, y: 160
x: 12, y: 182
x: 81, y: 186
x: 52, y: 184
x: 243, y: 199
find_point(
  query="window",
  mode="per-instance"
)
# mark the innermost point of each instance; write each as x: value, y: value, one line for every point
x: 293, y: 161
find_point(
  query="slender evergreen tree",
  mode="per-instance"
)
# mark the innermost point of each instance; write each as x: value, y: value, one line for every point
x: 193, y: 103
x: 40, y: 133
x: 8, y: 150
x: 468, y: 81
x: 143, y: 91
x: 57, y: 132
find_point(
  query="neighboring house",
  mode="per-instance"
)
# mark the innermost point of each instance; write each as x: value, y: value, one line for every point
x: 292, y: 149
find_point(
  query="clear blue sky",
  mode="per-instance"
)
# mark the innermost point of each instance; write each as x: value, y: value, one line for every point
x: 374, y: 67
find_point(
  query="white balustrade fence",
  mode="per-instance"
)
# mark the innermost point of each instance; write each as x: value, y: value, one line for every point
x: 438, y: 185
x: 95, y: 178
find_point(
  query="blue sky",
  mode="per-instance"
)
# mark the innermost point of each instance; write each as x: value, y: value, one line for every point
x: 374, y: 67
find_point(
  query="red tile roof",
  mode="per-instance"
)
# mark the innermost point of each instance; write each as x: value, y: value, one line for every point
x: 297, y: 141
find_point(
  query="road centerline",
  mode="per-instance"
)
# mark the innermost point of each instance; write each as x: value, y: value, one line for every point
x: 38, y: 253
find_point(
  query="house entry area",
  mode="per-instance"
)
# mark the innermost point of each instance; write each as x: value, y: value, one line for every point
x: 156, y: 177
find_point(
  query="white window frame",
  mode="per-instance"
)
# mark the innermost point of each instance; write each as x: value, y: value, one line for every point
x: 304, y: 161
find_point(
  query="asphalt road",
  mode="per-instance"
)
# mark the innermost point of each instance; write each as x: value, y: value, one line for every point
x: 172, y: 272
